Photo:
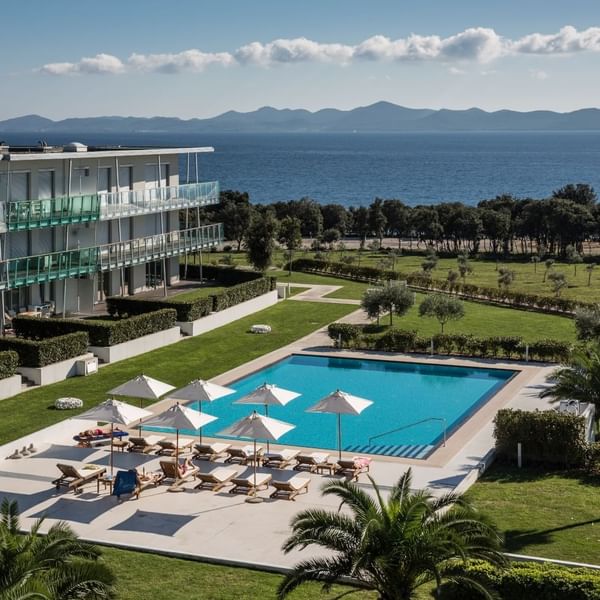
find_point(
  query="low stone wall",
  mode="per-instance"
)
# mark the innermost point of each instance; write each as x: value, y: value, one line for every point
x: 223, y: 317
x: 146, y: 343
x: 53, y: 373
x: 10, y: 386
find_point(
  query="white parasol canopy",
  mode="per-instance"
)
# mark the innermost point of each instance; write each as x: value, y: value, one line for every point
x: 114, y: 412
x: 340, y: 403
x: 180, y: 417
x: 257, y: 427
x: 143, y: 386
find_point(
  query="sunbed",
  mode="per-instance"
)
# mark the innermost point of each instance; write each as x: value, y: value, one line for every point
x: 145, y: 445
x: 353, y: 468
x: 130, y: 482
x: 175, y: 474
x: 217, y: 479
x: 247, y: 485
x: 98, y: 437
x: 243, y: 455
x: 291, y: 488
x: 280, y: 460
x: 317, y: 461
x: 211, y: 451
x: 168, y: 447
x: 75, y: 477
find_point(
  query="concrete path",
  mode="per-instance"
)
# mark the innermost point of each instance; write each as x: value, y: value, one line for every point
x: 318, y: 293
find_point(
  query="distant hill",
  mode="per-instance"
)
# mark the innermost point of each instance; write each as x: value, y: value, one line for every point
x: 377, y: 118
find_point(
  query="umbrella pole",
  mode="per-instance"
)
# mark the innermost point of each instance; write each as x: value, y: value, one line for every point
x: 175, y: 487
x: 266, y: 415
x: 339, y: 416
x: 200, y: 429
x: 252, y: 498
x: 111, y: 451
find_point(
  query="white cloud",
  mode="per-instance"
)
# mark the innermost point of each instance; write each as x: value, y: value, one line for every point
x: 99, y: 64
x: 456, y: 71
x: 476, y: 44
x: 538, y: 74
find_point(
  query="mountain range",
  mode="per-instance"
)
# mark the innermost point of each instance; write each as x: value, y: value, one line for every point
x: 381, y: 117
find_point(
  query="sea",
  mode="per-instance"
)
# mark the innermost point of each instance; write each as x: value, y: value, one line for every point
x: 353, y: 169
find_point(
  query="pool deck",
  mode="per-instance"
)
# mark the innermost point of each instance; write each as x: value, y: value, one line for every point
x: 221, y: 526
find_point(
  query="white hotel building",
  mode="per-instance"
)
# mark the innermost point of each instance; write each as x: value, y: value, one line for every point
x: 78, y: 224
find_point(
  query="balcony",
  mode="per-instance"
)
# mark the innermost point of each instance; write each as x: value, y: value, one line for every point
x: 68, y: 210
x: 44, y: 268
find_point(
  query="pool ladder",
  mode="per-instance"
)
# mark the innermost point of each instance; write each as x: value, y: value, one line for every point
x: 441, y: 420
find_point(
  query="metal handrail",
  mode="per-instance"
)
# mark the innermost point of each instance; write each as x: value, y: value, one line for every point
x: 442, y: 420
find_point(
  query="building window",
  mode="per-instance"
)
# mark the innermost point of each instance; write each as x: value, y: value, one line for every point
x: 46, y: 185
x: 19, y: 186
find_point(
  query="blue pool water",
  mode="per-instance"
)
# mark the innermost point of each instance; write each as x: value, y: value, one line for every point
x: 402, y: 394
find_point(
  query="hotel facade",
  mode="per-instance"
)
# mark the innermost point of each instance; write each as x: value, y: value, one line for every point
x: 78, y: 223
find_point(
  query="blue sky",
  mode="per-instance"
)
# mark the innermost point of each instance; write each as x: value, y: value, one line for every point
x: 193, y: 58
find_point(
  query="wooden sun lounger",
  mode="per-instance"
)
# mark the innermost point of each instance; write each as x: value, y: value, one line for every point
x: 244, y: 454
x: 280, y: 460
x: 168, y: 447
x: 217, y: 479
x: 211, y: 451
x: 291, y: 488
x: 145, y: 445
x: 74, y: 478
x: 317, y: 461
x: 352, y: 468
x: 172, y: 473
x: 246, y: 484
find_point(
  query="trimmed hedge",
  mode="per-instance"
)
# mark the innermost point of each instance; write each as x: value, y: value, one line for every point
x: 400, y: 340
x: 189, y: 310
x: 39, y: 353
x: 524, y: 581
x: 242, y: 292
x: 9, y: 361
x: 547, y: 437
x: 422, y: 281
x: 101, y: 332
x: 224, y: 275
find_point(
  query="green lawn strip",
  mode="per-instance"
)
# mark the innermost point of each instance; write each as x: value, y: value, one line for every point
x: 142, y: 575
x: 203, y: 292
x: 484, y: 320
x: 204, y: 357
x: 552, y: 515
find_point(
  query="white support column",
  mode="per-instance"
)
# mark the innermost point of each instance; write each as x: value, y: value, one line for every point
x: 162, y: 230
x: 122, y: 269
x: 69, y: 186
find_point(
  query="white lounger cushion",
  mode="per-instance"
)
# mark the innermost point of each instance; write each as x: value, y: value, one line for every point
x: 261, y: 479
x: 220, y: 474
x: 297, y: 482
x: 152, y: 440
x: 285, y: 454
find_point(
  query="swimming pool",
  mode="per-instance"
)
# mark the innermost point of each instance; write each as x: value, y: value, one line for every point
x: 403, y: 394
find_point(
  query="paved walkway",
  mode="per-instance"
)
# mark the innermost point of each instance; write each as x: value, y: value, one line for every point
x: 318, y: 293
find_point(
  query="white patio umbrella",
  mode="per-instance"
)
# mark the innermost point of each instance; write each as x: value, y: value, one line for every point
x: 114, y: 412
x: 340, y: 403
x: 201, y: 391
x: 268, y: 394
x: 257, y: 427
x: 179, y: 417
x: 142, y: 387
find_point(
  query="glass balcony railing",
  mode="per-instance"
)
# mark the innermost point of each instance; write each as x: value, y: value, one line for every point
x: 19, y: 272
x: 33, y: 214
x: 138, y: 202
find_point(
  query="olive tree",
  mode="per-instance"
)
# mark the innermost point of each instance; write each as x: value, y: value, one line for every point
x: 443, y: 308
x: 290, y: 236
x: 393, y: 299
x: 558, y: 281
x: 260, y: 240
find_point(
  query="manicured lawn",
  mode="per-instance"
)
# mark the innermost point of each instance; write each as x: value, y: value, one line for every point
x: 204, y: 357
x: 485, y: 320
x: 143, y: 575
x: 202, y: 292
x: 553, y: 515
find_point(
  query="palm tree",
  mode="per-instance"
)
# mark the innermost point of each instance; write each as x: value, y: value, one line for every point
x: 580, y: 379
x: 55, y: 566
x: 392, y: 546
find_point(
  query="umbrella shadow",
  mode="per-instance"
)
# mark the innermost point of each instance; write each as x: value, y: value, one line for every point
x: 77, y: 510
x: 27, y: 501
x: 153, y: 522
x: 59, y: 452
x: 122, y: 460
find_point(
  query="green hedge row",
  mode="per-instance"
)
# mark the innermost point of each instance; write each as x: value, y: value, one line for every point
x: 101, y: 332
x: 547, y: 437
x: 242, y: 292
x: 421, y: 280
x: 9, y: 361
x: 402, y: 340
x: 222, y: 274
x: 527, y: 581
x: 39, y: 353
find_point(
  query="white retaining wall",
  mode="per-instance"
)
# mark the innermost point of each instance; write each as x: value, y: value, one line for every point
x: 53, y: 373
x: 10, y: 386
x: 223, y: 317
x: 146, y: 343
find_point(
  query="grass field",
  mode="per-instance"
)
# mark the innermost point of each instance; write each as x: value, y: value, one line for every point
x: 553, y: 515
x: 201, y: 292
x: 203, y: 357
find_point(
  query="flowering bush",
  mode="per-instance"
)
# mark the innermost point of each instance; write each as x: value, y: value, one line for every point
x: 68, y: 403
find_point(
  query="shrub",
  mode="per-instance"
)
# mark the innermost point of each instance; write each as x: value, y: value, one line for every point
x: 396, y: 340
x: 187, y: 310
x: 242, y: 292
x: 524, y: 581
x: 39, y: 353
x: 547, y: 437
x: 550, y: 350
x: 9, y: 361
x: 101, y: 332
x: 592, y: 457
x: 346, y: 332
x: 225, y: 275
